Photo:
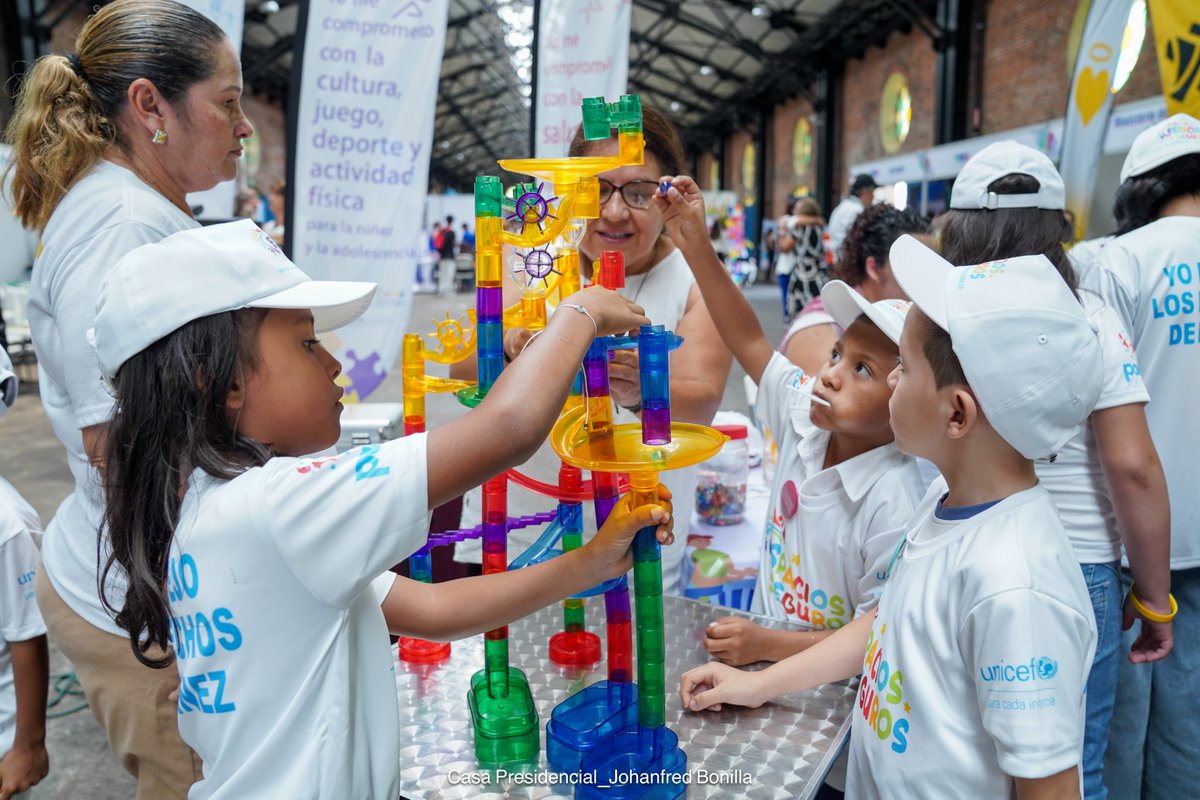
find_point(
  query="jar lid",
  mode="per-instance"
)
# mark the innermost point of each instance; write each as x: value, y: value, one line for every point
x: 732, y: 431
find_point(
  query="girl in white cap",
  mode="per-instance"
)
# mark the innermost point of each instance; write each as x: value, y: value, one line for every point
x: 266, y: 573
x: 1149, y: 275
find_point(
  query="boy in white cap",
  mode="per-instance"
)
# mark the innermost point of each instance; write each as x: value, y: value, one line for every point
x: 1107, y: 482
x: 24, y: 659
x: 1150, y: 275
x: 842, y: 490
x: 977, y: 656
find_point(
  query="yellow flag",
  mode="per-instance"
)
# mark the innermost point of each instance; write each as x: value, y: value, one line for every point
x: 1176, y: 26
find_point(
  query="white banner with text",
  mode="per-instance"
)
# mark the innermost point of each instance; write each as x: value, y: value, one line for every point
x: 583, y: 51
x: 368, y: 93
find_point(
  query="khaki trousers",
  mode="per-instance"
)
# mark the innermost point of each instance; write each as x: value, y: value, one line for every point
x: 129, y: 700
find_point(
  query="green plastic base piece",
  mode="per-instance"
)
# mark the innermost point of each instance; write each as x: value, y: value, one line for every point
x: 506, y: 728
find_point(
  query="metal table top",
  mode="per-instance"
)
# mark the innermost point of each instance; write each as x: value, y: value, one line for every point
x: 781, y: 750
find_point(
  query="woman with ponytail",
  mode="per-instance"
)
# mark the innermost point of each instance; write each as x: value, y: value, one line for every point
x: 107, y: 143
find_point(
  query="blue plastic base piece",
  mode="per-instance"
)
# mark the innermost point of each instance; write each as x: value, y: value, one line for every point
x: 587, y: 718
x: 506, y: 728
x: 635, y: 764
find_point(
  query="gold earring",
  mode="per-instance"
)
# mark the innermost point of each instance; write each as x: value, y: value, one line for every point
x: 159, y: 137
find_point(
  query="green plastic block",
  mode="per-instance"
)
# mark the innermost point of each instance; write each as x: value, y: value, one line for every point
x: 489, y: 195
x: 595, y: 118
x: 506, y: 728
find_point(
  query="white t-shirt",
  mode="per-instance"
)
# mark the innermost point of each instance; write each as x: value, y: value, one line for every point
x: 663, y: 293
x: 978, y: 659
x: 841, y: 220
x: 287, y: 684
x: 109, y: 212
x: 1151, y: 279
x: 829, y: 532
x: 19, y: 616
x: 1075, y: 479
x: 1086, y: 253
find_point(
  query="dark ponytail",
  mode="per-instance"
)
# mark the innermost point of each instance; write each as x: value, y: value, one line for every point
x: 1141, y: 199
x: 975, y: 236
x: 171, y: 420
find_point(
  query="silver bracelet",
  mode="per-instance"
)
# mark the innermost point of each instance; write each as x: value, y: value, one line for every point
x: 586, y: 313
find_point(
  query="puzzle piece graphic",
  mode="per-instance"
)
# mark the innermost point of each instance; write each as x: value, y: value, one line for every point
x: 364, y: 375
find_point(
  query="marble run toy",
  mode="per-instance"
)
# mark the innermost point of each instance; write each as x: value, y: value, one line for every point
x: 615, y: 726
x: 612, y: 728
x: 502, y: 710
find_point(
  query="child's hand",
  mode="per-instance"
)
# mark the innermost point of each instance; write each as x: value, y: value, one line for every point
x: 624, y: 377
x: 737, y: 641
x: 1155, y: 639
x: 611, y: 312
x: 713, y: 684
x: 683, y: 212
x: 22, y: 767
x: 515, y: 340
x: 612, y: 543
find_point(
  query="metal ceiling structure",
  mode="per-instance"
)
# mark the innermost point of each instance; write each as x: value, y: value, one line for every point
x: 715, y: 66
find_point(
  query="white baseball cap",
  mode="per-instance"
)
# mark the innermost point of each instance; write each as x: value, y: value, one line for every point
x: 8, y: 382
x: 845, y: 305
x: 159, y: 287
x: 1006, y: 158
x: 1027, y: 349
x: 1175, y: 136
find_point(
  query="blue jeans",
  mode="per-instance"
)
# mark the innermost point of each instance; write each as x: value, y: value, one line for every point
x: 784, y: 280
x: 1156, y: 724
x: 1104, y: 588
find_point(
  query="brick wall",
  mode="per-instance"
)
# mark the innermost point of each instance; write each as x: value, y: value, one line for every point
x: 1025, y: 69
x: 862, y: 87
x: 704, y: 170
x: 734, y: 148
x: 782, y: 177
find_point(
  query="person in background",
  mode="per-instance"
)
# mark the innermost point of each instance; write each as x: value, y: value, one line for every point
x: 467, y: 243
x: 785, y: 259
x: 24, y: 655
x: 861, y: 197
x: 446, y: 267
x: 246, y: 205
x: 808, y: 274
x: 277, y: 202
x: 107, y: 143
x: 863, y: 265
x: 1147, y: 275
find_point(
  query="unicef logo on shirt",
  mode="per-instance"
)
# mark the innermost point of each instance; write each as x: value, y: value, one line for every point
x: 1040, y: 668
x: 1046, y: 668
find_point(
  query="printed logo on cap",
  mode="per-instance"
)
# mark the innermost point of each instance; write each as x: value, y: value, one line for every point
x: 1179, y: 131
x: 266, y: 242
x: 981, y: 272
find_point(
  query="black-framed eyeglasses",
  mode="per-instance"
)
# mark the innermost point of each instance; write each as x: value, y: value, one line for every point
x: 636, y: 194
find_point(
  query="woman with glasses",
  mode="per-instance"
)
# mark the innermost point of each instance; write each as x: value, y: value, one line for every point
x: 658, y: 279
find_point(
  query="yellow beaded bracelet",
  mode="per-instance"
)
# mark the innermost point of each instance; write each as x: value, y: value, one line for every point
x: 1153, y: 616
